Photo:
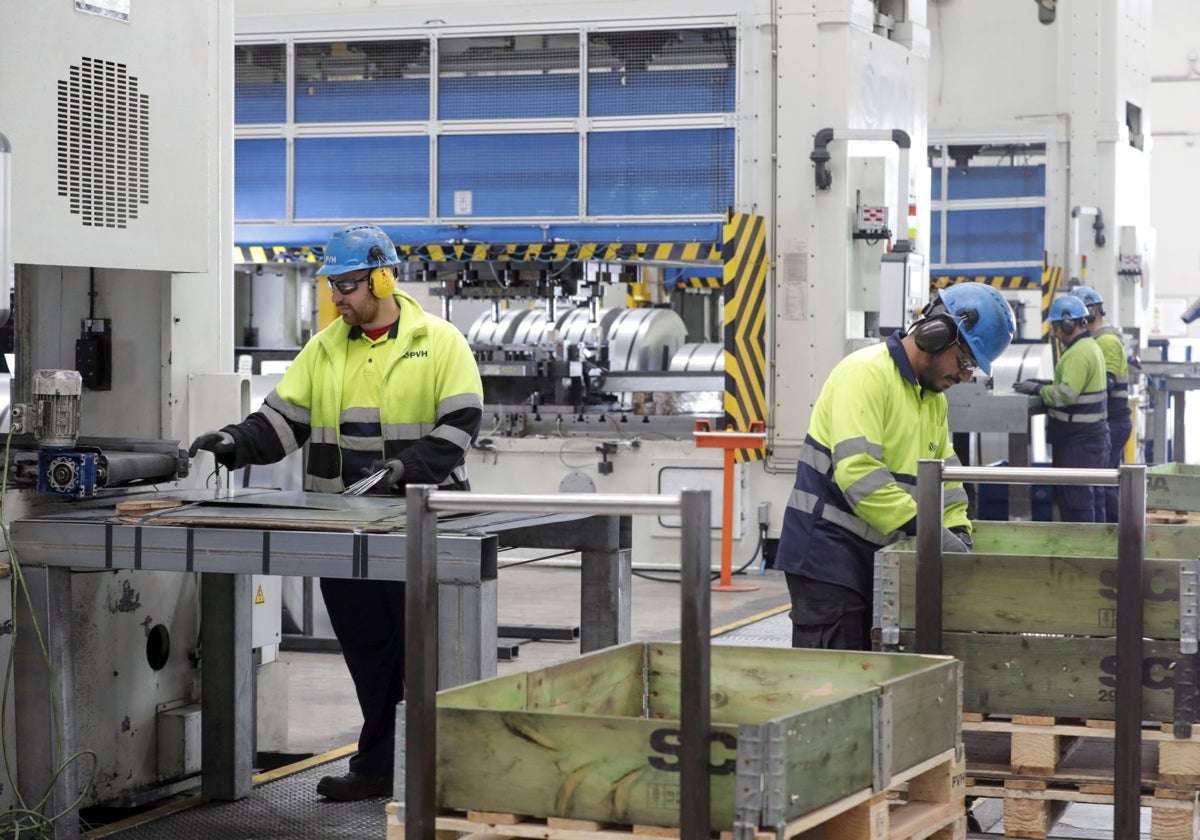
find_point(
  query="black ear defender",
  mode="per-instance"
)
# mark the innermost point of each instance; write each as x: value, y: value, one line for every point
x: 383, y: 278
x: 938, y: 329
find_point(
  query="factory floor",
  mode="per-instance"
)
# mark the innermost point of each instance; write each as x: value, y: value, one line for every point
x: 323, y: 715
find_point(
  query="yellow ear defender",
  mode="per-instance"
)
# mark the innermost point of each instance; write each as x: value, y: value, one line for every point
x: 383, y: 281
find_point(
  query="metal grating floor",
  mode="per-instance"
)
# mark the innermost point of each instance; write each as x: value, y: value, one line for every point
x: 773, y: 631
x: 282, y: 808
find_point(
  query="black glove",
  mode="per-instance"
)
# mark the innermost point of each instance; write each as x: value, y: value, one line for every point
x: 395, y: 468
x: 1028, y: 386
x: 963, y: 534
x: 220, y: 444
x: 952, y: 540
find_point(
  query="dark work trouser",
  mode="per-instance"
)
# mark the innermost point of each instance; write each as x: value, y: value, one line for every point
x: 368, y: 620
x: 1081, y: 502
x: 1118, y: 435
x: 825, y: 615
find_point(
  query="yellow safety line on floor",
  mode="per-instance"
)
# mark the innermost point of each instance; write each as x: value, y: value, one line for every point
x: 289, y: 769
x: 195, y: 800
x: 742, y: 622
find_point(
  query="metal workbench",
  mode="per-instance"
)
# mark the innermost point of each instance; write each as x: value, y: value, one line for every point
x: 230, y: 539
x: 1169, y: 383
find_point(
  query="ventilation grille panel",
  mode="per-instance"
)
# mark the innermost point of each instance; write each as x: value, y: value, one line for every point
x: 103, y: 143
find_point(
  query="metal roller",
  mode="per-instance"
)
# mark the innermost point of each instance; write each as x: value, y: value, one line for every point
x: 576, y: 326
x: 644, y: 339
x: 516, y: 326
x: 125, y: 467
x: 699, y: 357
x: 1021, y: 361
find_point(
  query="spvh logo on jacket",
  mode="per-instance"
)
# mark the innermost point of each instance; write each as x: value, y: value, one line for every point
x: 416, y: 354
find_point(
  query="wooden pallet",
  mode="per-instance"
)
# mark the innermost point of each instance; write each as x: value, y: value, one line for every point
x: 1172, y: 517
x: 1039, y: 765
x: 925, y: 802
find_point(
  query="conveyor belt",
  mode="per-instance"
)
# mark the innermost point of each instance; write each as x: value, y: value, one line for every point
x: 286, y: 807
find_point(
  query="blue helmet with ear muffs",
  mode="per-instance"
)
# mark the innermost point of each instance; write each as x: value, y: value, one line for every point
x: 1091, y: 299
x: 1067, y: 307
x: 356, y: 247
x: 974, y: 313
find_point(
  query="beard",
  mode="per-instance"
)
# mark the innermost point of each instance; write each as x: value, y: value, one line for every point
x: 360, y: 314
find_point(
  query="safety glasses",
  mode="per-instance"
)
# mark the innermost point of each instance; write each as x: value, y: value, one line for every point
x: 966, y: 361
x: 345, y: 285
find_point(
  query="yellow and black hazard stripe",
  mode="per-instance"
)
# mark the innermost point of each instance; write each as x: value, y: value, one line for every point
x: 701, y: 253
x: 999, y: 281
x: 1051, y: 283
x: 701, y: 282
x: 744, y: 251
x: 261, y: 254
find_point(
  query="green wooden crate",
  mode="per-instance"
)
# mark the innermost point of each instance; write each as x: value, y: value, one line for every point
x: 597, y: 738
x: 1031, y: 612
x: 1173, y: 487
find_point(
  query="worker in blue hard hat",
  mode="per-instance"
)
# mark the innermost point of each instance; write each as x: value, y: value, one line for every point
x: 1076, y: 409
x: 1116, y: 365
x: 881, y: 411
x: 388, y: 389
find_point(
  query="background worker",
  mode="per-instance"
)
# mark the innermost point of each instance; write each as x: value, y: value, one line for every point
x: 881, y: 410
x: 1120, y: 418
x: 384, y: 386
x: 1077, y: 416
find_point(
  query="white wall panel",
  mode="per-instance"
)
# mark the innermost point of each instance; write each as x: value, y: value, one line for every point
x: 1175, y: 159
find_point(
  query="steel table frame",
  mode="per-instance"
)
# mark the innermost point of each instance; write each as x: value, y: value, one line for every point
x: 87, y: 537
x: 416, y: 731
x: 1131, y: 552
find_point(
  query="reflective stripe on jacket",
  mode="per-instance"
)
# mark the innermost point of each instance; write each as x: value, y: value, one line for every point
x: 855, y: 487
x: 1117, y: 367
x: 430, y: 406
x: 1077, y: 399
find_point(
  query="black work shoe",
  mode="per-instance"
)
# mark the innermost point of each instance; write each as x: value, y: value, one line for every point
x: 354, y: 786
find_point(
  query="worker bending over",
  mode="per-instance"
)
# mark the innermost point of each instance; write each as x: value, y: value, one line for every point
x: 881, y: 410
x: 385, y: 386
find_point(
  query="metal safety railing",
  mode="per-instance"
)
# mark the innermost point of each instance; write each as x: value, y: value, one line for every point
x: 418, y: 809
x: 1130, y: 479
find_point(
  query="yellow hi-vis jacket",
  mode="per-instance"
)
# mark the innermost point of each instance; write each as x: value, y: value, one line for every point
x: 430, y: 406
x: 856, y: 482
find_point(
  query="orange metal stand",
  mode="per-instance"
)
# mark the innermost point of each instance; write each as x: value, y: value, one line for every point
x: 729, y: 440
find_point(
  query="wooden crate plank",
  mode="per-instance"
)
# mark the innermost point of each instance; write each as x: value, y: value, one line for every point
x: 826, y: 754
x: 1016, y: 674
x: 1171, y: 487
x: 1001, y: 593
x: 754, y: 685
x: 573, y: 766
x: 925, y: 717
x: 612, y: 682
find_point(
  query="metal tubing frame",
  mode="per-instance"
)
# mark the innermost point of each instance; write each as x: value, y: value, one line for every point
x: 1131, y: 544
x: 419, y: 807
x: 1131, y: 549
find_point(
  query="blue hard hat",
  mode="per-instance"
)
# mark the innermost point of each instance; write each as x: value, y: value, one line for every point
x: 1088, y: 295
x: 1067, y: 306
x: 984, y: 318
x: 356, y: 247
